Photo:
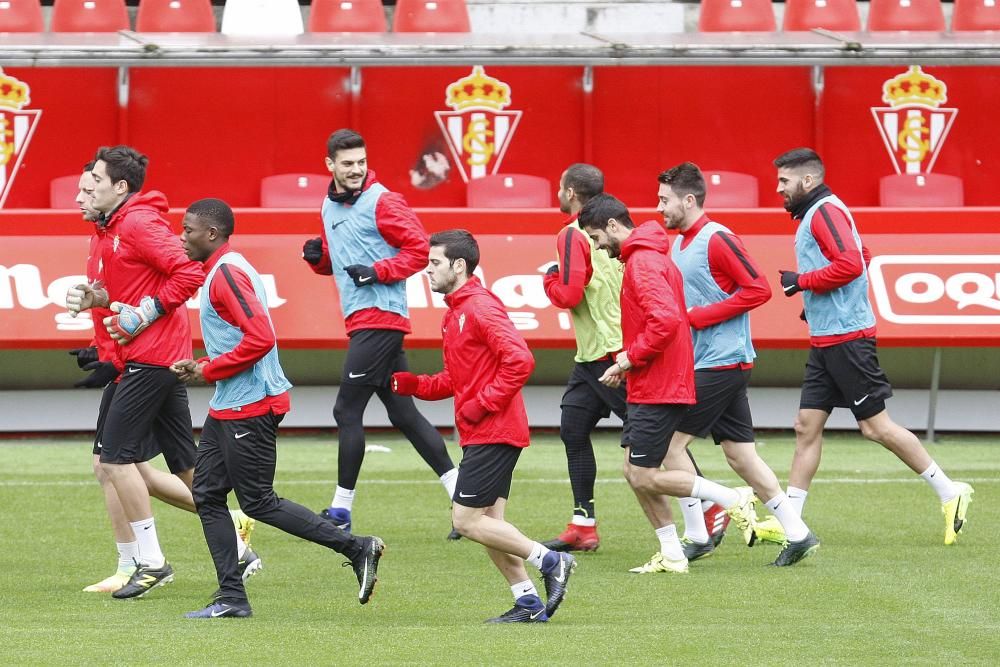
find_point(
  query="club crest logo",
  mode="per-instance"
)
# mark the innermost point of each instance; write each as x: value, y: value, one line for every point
x: 914, y: 125
x: 461, y: 322
x: 17, y: 125
x: 478, y: 130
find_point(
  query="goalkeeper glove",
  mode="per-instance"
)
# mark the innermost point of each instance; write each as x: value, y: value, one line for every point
x: 405, y: 384
x: 131, y: 321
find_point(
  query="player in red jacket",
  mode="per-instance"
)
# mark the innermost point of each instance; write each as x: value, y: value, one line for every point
x: 659, y: 362
x: 486, y: 362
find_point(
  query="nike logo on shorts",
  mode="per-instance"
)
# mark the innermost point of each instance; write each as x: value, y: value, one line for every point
x: 861, y: 400
x: 466, y: 495
x: 636, y: 456
x: 241, y: 435
x: 356, y: 375
x: 134, y: 370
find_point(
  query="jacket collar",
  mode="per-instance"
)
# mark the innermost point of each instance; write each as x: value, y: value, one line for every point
x: 349, y: 197
x: 799, y: 210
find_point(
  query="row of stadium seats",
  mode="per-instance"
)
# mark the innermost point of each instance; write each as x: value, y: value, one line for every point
x: 725, y: 189
x: 238, y: 17
x: 842, y: 15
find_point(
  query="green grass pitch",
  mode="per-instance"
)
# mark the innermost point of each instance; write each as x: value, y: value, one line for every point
x: 882, y: 589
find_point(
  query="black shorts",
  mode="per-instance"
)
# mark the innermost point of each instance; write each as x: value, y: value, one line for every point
x: 485, y: 473
x: 846, y: 375
x: 373, y: 355
x: 651, y: 426
x: 585, y: 392
x: 723, y: 409
x: 149, y: 401
x: 149, y: 450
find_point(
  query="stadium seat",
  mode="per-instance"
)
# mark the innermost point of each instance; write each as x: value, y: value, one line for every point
x: 431, y: 16
x: 63, y: 191
x: 262, y: 17
x: 730, y: 189
x: 175, y: 16
x: 804, y: 15
x: 920, y: 190
x: 293, y: 190
x: 736, y: 16
x: 89, y: 16
x: 21, y: 16
x: 975, y: 16
x: 509, y: 191
x: 347, y: 16
x: 905, y: 15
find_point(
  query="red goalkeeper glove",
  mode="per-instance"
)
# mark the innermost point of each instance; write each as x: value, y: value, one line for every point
x: 405, y: 384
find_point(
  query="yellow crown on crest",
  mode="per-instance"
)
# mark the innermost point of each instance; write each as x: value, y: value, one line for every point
x: 478, y: 90
x: 13, y: 93
x: 914, y: 86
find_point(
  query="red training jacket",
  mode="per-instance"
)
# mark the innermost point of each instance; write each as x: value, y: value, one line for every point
x: 140, y: 256
x: 107, y: 348
x: 486, y: 361
x: 565, y: 289
x: 655, y: 329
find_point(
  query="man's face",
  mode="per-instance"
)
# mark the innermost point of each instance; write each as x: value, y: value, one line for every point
x: 198, y: 237
x: 441, y: 271
x: 106, y: 194
x: 671, y: 207
x: 792, y: 186
x: 83, y: 197
x: 564, y: 195
x: 349, y: 168
x: 604, y: 239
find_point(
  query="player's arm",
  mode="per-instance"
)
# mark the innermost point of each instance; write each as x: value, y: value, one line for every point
x: 662, y: 314
x: 564, y: 284
x: 400, y: 227
x: 425, y: 387
x: 735, y: 273
x: 516, y: 360
x: 833, y: 233
x: 316, y: 253
x: 162, y: 250
x: 234, y: 299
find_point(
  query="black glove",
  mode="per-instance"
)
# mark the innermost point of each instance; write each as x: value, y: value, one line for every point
x: 104, y: 372
x: 312, y: 251
x: 84, y: 355
x: 362, y: 275
x: 553, y: 269
x: 790, y: 283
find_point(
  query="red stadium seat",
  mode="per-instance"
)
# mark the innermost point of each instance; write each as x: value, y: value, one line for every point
x: 804, y: 15
x: 920, y: 190
x: 736, y: 16
x: 89, y: 16
x: 975, y: 16
x: 347, y: 16
x: 730, y: 189
x: 63, y: 191
x: 509, y: 191
x: 21, y: 16
x: 262, y: 17
x: 294, y: 190
x: 905, y: 15
x: 175, y: 16
x: 431, y: 16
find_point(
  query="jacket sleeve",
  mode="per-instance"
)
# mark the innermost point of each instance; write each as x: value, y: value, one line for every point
x: 565, y: 289
x: 735, y: 273
x: 400, y: 227
x: 435, y: 387
x: 834, y: 235
x: 325, y: 266
x: 662, y: 316
x: 162, y: 250
x: 516, y: 360
x: 233, y: 297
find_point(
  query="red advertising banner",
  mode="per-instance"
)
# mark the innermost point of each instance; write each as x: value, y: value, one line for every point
x: 945, y: 294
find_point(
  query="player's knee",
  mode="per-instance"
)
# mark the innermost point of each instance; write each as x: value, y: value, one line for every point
x: 874, y: 432
x: 100, y: 474
x: 259, y: 507
x: 638, y: 478
x: 464, y: 523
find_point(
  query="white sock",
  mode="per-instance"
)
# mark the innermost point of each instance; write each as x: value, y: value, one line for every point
x: 149, y: 547
x: 706, y: 489
x: 128, y: 553
x: 694, y: 520
x: 525, y: 587
x: 670, y: 546
x: 343, y: 499
x: 940, y: 482
x: 241, y: 546
x: 578, y: 520
x: 537, y: 555
x: 798, y: 498
x: 782, y: 508
x: 449, y: 479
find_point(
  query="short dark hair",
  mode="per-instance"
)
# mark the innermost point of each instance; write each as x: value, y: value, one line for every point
x: 458, y: 244
x: 585, y: 179
x: 124, y: 163
x: 342, y: 140
x: 685, y: 179
x: 601, y: 208
x: 801, y: 157
x: 218, y: 212
x: 90, y: 165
